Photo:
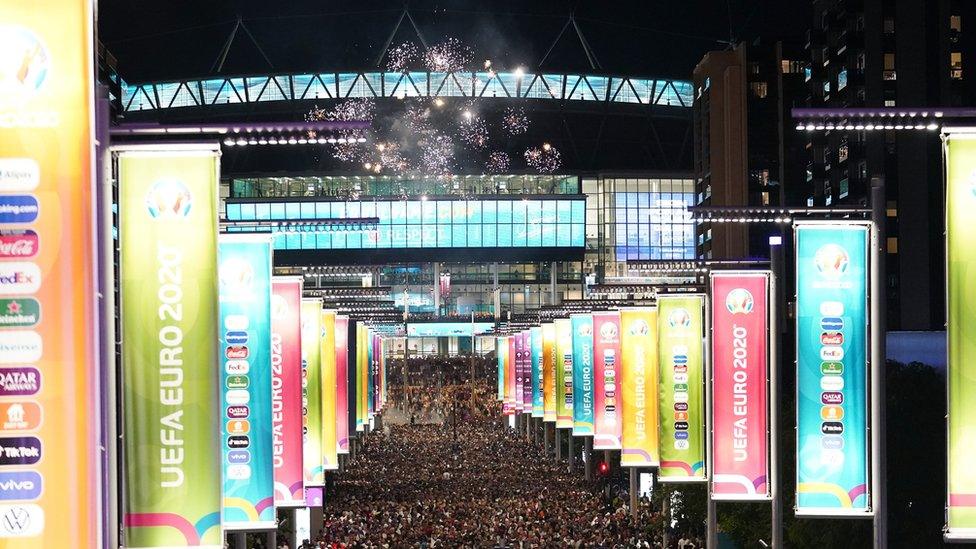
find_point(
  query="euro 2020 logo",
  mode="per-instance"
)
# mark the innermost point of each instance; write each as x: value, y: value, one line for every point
x: 279, y: 307
x: 679, y: 318
x: 24, y: 63
x: 169, y: 198
x: 236, y: 276
x: 608, y: 331
x: 585, y: 329
x: 831, y: 260
x: 739, y: 301
x: 639, y: 328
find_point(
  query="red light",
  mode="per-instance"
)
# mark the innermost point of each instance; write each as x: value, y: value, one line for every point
x: 603, y: 468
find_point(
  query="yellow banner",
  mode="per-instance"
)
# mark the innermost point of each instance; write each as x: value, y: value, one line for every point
x: 638, y: 386
x: 549, y: 372
x: 330, y: 445
x: 564, y: 373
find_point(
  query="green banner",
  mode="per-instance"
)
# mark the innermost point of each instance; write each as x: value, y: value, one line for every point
x: 682, y: 401
x: 961, y: 261
x: 312, y: 390
x: 172, y: 432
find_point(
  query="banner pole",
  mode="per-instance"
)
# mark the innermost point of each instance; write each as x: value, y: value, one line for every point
x: 712, y: 509
x: 878, y: 363
x: 776, y: 507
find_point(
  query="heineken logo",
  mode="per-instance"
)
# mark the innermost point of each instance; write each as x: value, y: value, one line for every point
x: 19, y: 312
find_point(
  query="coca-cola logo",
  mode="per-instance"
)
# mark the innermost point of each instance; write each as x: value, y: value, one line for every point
x: 18, y: 243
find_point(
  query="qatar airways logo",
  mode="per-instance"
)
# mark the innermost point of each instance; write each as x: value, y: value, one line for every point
x: 739, y: 301
x: 18, y: 244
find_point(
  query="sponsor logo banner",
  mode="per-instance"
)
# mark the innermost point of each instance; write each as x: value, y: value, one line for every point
x: 549, y: 372
x: 740, y: 394
x: 680, y: 339
x: 327, y: 341
x: 638, y: 387
x: 535, y: 348
x: 168, y: 254
x: 606, y: 380
x: 18, y: 243
x: 582, y: 325
x: 21, y: 312
x: 311, y: 329
x: 831, y: 328
x: 244, y: 274
x: 342, y: 383
x: 564, y: 373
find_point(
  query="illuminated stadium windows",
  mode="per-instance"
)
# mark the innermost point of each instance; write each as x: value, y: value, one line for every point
x: 650, y: 218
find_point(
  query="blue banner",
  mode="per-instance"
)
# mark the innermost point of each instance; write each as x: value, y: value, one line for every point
x: 535, y: 337
x: 582, y: 374
x: 832, y: 415
x: 244, y: 270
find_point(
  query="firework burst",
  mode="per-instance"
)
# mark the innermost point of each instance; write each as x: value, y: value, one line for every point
x: 450, y: 55
x: 544, y: 159
x: 403, y: 57
x: 498, y: 162
x: 515, y: 121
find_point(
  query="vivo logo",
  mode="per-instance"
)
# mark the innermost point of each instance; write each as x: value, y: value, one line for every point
x: 20, y: 485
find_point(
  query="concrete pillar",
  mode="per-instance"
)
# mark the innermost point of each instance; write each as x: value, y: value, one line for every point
x: 634, y: 487
x: 238, y: 540
x: 436, y: 267
x: 552, y: 284
x: 572, y: 456
x: 588, y: 457
x: 559, y: 446
x: 272, y: 539
x: 547, y: 438
x: 316, y: 520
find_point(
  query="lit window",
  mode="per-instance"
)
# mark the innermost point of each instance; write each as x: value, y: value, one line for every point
x: 758, y: 89
x: 892, y: 244
x: 765, y: 198
x: 955, y: 23
x: 955, y: 65
x: 842, y: 80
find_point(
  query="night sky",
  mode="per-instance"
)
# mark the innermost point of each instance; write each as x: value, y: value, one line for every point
x: 182, y: 38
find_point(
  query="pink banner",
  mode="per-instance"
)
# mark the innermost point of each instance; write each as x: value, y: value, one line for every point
x: 513, y: 373
x: 519, y: 373
x: 375, y: 372
x: 526, y: 341
x: 606, y: 377
x: 740, y: 325
x: 342, y: 383
x: 286, y: 391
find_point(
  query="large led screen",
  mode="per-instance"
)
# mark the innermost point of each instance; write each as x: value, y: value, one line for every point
x: 501, y: 223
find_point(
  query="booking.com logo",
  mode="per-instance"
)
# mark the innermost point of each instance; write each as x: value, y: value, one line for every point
x: 739, y: 301
x: 24, y: 62
x: 831, y: 260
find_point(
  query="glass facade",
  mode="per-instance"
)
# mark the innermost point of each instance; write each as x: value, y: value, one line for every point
x: 651, y: 220
x: 356, y: 186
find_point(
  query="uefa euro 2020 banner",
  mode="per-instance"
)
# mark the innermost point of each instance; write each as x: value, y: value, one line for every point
x: 549, y: 372
x: 606, y: 381
x: 960, y: 150
x: 342, y: 383
x: 519, y: 372
x: 638, y: 383
x: 286, y: 390
x: 831, y: 332
x: 48, y: 319
x: 330, y: 443
x: 582, y: 374
x: 535, y: 338
x: 244, y: 272
x: 740, y: 393
x: 169, y: 314
x: 681, y: 389
x: 311, y: 315
x: 564, y: 373
x: 500, y: 358
x: 527, y: 402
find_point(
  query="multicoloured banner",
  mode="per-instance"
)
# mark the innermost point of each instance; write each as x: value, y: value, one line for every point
x: 638, y: 388
x: 526, y: 371
x: 681, y: 390
x: 535, y: 339
x: 286, y: 390
x: 170, y: 364
x: 606, y: 381
x: 330, y: 442
x: 362, y: 367
x: 831, y: 329
x: 740, y: 391
x: 510, y: 368
x: 549, y: 372
x: 501, y: 349
x: 582, y: 374
x: 47, y: 286
x: 244, y: 272
x: 506, y: 379
x: 564, y: 373
x: 342, y: 383
x: 311, y: 315
x: 960, y: 151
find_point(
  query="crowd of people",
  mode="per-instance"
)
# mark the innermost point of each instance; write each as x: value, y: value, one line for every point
x: 471, y: 482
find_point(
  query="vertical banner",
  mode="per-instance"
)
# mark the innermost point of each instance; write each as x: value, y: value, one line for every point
x: 549, y: 372
x: 582, y: 374
x: 510, y: 366
x: 526, y: 372
x: 244, y: 271
x: 505, y: 376
x: 500, y: 350
x: 362, y: 359
x: 286, y: 390
x: 960, y: 151
x: 342, y: 383
x: 564, y: 373
x: 535, y: 338
x: 606, y: 381
x: 638, y: 386
x: 681, y: 389
x: 330, y: 443
x: 48, y: 319
x: 311, y: 316
x: 170, y: 365
x: 740, y: 388
x: 519, y: 373
x: 831, y: 376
